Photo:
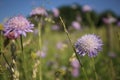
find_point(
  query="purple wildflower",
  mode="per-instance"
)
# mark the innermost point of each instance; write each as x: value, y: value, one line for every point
x: 109, y: 20
x: 17, y: 26
x: 75, y: 72
x: 86, y: 8
x: 39, y: 11
x: 61, y: 45
x: 41, y: 54
x: 76, y: 25
x: 55, y: 12
x: 55, y: 27
x: 89, y: 44
x: 75, y: 63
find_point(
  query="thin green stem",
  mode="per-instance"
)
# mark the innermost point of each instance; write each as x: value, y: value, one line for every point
x: 7, y: 62
x: 21, y: 43
x: 24, y: 65
x: 73, y: 47
x: 90, y: 22
x: 1, y: 53
x: 96, y: 75
x: 40, y: 45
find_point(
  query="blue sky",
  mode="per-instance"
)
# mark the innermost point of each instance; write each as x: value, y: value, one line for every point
x: 10, y: 8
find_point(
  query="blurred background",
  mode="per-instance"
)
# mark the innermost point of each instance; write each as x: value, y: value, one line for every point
x: 100, y: 17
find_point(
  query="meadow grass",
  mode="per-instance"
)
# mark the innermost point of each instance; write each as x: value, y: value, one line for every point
x: 56, y: 64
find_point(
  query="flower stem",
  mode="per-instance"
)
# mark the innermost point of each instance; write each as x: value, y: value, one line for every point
x: 7, y: 62
x: 40, y: 45
x: 96, y: 75
x: 23, y: 58
x: 4, y: 57
x: 21, y: 42
x: 73, y: 47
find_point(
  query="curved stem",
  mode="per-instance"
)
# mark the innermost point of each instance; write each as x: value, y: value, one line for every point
x: 96, y: 75
x: 7, y: 62
x: 23, y: 63
x: 40, y: 45
x: 73, y: 47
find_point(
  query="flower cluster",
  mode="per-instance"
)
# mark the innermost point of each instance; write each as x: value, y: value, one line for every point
x: 76, y: 25
x: 55, y: 12
x: 39, y: 11
x: 86, y: 8
x: 17, y: 26
x: 89, y: 44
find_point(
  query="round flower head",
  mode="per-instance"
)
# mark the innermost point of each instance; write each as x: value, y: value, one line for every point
x: 55, y: 12
x: 17, y: 26
x: 75, y: 63
x: 109, y: 20
x: 39, y: 11
x: 88, y: 44
x: 76, y: 25
x: 86, y: 8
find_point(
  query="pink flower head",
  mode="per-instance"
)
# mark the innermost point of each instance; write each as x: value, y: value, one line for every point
x: 109, y: 20
x: 55, y: 12
x: 89, y: 44
x: 86, y: 8
x: 75, y: 63
x: 41, y: 54
x: 76, y: 25
x: 17, y: 26
x: 75, y: 72
x: 55, y: 27
x: 39, y: 11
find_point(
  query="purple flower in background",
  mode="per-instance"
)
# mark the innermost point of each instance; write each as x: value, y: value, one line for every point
x: 86, y: 8
x: 17, y: 26
x: 75, y: 72
x: 88, y: 44
x: 39, y: 11
x: 55, y: 27
x: 55, y: 12
x: 109, y: 20
x: 41, y: 54
x: 61, y: 45
x: 76, y: 25
x: 118, y: 23
x: 75, y: 63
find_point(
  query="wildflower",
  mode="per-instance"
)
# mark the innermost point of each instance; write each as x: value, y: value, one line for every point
x: 75, y: 72
x: 75, y: 63
x: 55, y: 27
x: 109, y: 20
x: 41, y: 54
x: 55, y: 12
x: 39, y: 11
x: 86, y: 8
x: 61, y: 46
x: 17, y: 26
x: 90, y: 44
x: 76, y: 25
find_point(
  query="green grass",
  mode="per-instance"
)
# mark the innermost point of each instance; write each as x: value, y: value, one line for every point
x: 107, y: 67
